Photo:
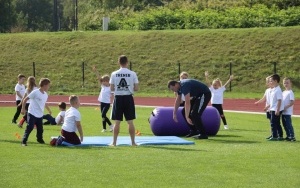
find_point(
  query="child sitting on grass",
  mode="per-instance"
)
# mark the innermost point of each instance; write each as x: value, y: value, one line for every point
x: 59, y: 119
x: 72, y: 124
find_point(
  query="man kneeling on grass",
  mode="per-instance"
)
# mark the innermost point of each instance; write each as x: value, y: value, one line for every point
x: 72, y: 123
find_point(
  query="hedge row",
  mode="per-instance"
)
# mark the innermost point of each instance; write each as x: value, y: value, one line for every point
x: 237, y: 17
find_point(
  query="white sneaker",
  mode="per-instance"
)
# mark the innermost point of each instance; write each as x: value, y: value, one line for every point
x: 103, y: 130
x: 226, y: 127
x: 111, y: 128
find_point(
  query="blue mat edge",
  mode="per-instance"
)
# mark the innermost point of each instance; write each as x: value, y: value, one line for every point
x: 184, y: 142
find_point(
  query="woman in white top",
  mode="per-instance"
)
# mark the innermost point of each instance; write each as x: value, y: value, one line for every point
x: 217, y: 90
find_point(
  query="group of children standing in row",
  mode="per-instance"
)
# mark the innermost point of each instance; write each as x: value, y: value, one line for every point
x: 279, y: 105
x: 32, y: 101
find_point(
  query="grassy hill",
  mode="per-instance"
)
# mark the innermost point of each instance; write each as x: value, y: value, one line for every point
x: 154, y: 55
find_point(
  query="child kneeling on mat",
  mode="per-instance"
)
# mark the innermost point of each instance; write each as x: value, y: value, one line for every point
x: 71, y: 124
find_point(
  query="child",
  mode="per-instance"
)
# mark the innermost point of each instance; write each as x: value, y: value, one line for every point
x: 59, y: 119
x: 30, y: 87
x: 276, y: 108
x: 123, y: 83
x: 266, y: 98
x: 104, y: 99
x: 72, y: 123
x: 20, y: 91
x: 217, y: 91
x: 288, y: 103
x: 36, y: 107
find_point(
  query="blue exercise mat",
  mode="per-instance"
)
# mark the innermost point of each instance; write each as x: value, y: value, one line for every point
x: 125, y: 141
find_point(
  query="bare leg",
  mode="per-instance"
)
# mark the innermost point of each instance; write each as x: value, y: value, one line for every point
x: 131, y: 130
x: 116, y: 133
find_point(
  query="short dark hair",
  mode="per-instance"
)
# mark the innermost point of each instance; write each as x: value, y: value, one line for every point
x: 171, y: 83
x: 276, y: 77
x: 62, y: 105
x: 44, y: 81
x: 123, y: 60
x: 21, y: 76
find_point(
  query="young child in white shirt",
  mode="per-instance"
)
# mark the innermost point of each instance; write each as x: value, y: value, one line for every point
x: 59, y: 119
x: 105, y: 98
x: 20, y: 91
x: 38, y: 99
x: 72, y: 123
x: 217, y: 90
x: 276, y: 108
x: 288, y: 103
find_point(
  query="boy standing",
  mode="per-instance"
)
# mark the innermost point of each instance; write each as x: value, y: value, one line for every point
x: 20, y: 91
x: 72, y: 123
x: 123, y: 83
x: 59, y: 119
x: 36, y: 107
x: 276, y: 108
x: 197, y: 96
x: 288, y: 103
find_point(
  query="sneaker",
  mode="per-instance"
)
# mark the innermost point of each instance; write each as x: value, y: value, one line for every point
x: 192, y: 134
x: 59, y: 141
x: 41, y: 141
x: 202, y: 136
x: 269, y: 137
x: 103, y: 130
x: 291, y: 139
x: 111, y: 128
x: 281, y: 139
x: 226, y: 127
x: 273, y: 139
x: 20, y: 125
x: 23, y: 144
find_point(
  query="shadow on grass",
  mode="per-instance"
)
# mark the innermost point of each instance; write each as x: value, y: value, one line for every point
x: 224, y: 135
x: 171, y: 148
x: 249, y: 130
x: 235, y: 141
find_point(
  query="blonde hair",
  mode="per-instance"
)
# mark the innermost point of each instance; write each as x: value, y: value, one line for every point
x: 218, y: 81
x: 30, y: 83
x: 183, y: 74
x: 73, y: 99
x: 104, y: 78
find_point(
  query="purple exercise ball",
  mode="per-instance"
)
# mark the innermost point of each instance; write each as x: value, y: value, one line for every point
x: 162, y: 123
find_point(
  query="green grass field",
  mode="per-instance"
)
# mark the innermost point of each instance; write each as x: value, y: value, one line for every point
x: 239, y: 157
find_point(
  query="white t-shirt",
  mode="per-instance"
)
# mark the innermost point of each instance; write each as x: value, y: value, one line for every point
x: 71, y: 116
x: 37, y: 103
x: 104, y: 95
x: 123, y: 80
x: 19, y: 88
x: 217, y: 95
x: 288, y: 96
x: 60, y: 114
x: 276, y: 94
x: 26, y: 91
x: 267, y: 95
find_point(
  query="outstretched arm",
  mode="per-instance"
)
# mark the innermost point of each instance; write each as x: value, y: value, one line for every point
x: 97, y: 74
x: 229, y: 80
x: 206, y: 78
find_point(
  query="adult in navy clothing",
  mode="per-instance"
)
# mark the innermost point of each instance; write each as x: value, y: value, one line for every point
x: 197, y: 96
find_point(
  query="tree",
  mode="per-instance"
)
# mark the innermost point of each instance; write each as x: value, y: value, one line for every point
x: 7, y: 16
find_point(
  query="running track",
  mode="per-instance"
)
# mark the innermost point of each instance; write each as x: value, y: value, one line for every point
x: 229, y: 104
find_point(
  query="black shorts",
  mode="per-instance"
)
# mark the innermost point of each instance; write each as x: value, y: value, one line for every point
x: 123, y: 105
